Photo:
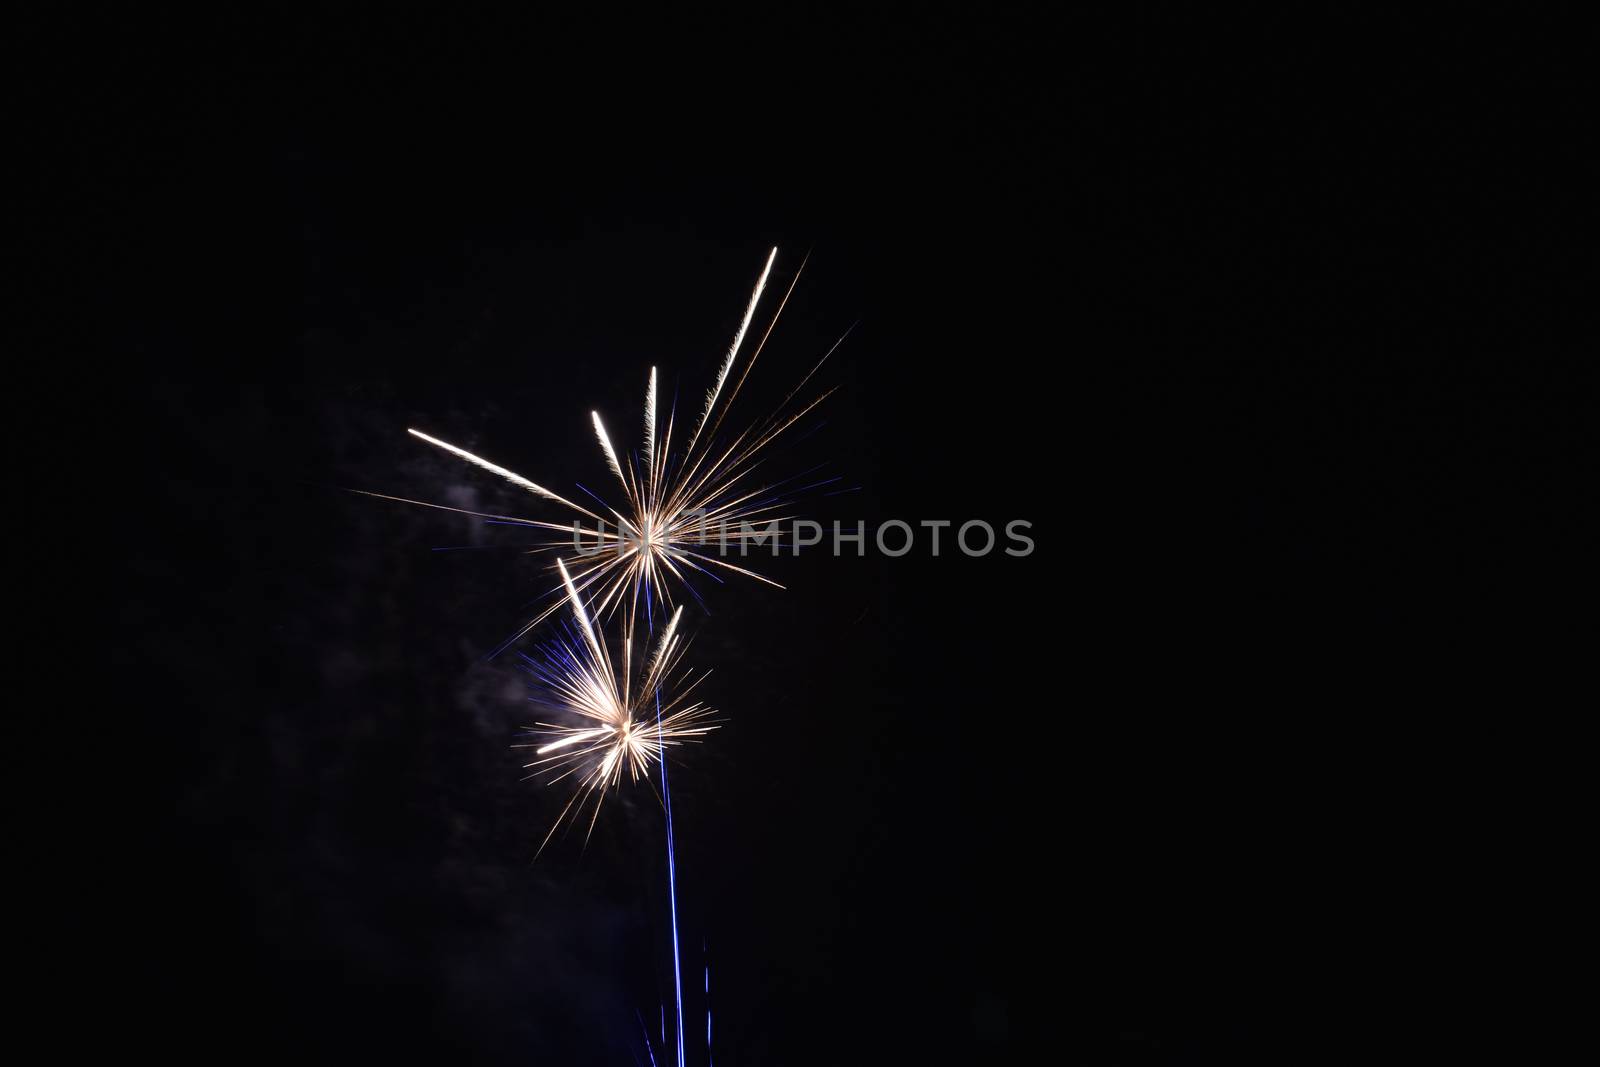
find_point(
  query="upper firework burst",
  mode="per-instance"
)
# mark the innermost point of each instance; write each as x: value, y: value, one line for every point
x: 676, y: 506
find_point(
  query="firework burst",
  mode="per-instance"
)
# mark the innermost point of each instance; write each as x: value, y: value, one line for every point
x: 681, y: 511
x: 621, y: 718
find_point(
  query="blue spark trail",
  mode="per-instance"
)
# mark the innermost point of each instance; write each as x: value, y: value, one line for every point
x: 672, y: 887
x: 646, y: 1030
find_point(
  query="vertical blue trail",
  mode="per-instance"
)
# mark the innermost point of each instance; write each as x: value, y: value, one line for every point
x: 672, y: 886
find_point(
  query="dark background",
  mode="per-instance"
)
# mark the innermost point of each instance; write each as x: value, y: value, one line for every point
x: 1205, y: 309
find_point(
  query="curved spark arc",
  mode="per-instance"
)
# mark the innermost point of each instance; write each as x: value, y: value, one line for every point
x: 677, y: 510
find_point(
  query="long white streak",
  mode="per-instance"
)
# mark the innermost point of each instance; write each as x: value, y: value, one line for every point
x: 627, y: 671
x: 495, y: 468
x: 650, y: 420
x: 573, y: 739
x: 611, y: 453
x: 577, y: 608
x: 737, y: 570
x: 462, y: 511
x: 663, y: 451
x: 802, y: 383
x: 733, y: 350
x: 761, y: 344
x: 662, y: 651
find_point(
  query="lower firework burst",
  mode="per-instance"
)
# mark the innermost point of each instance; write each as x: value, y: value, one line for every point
x: 617, y: 725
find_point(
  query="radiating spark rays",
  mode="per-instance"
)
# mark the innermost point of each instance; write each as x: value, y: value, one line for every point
x: 616, y: 726
x: 675, y: 505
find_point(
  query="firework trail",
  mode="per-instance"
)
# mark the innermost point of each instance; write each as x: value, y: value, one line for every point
x: 672, y: 890
x: 672, y: 505
x: 612, y: 730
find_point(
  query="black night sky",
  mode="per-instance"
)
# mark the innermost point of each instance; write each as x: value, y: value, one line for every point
x: 1110, y: 803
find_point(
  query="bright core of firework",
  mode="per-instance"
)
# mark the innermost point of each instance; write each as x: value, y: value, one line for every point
x: 620, y: 724
x: 678, y: 509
